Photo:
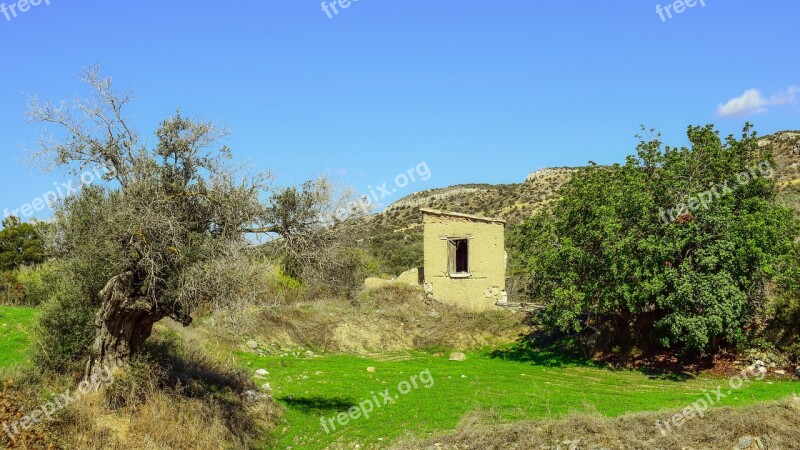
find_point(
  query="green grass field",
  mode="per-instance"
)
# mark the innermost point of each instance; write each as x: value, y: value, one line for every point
x: 516, y: 384
x: 15, y: 324
x: 515, y: 389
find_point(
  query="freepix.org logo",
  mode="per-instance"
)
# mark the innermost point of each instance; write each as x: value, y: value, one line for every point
x: 13, y: 10
x: 678, y: 7
x: 332, y: 8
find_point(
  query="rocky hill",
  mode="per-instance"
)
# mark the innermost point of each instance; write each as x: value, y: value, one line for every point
x: 786, y: 149
x: 398, y: 229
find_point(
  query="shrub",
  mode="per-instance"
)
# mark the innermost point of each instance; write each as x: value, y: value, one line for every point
x: 65, y: 329
x: 171, y: 386
x: 11, y: 291
x: 285, y: 288
x: 143, y: 378
x: 33, y: 284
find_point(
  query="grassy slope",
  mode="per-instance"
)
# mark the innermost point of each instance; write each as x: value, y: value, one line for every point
x: 14, y: 340
x: 516, y: 390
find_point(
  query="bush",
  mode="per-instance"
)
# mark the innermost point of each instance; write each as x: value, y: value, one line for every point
x: 284, y: 288
x: 28, y: 285
x: 32, y: 280
x: 143, y: 378
x: 11, y: 291
x: 171, y: 386
x: 65, y: 329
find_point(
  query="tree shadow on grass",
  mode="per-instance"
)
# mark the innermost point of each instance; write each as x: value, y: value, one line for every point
x: 545, y: 352
x: 173, y: 367
x: 550, y: 350
x: 655, y: 373
x: 317, y: 404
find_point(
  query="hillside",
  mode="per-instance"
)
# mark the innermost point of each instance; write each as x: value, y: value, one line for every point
x: 786, y: 148
x: 397, y: 236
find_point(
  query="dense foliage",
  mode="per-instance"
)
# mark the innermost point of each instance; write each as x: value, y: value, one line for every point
x: 396, y: 252
x: 21, y: 249
x: 20, y: 244
x: 676, y: 248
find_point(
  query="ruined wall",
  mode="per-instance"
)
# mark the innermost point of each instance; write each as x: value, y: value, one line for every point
x: 486, y: 284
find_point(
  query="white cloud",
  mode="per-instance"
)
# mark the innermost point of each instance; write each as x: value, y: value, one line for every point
x: 753, y: 102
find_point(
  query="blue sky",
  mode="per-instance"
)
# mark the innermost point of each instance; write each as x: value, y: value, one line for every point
x: 480, y: 91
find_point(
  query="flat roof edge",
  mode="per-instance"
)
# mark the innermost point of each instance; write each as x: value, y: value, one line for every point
x: 437, y: 212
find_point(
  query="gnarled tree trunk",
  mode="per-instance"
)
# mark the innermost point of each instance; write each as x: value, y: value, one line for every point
x: 122, y: 324
x: 125, y: 320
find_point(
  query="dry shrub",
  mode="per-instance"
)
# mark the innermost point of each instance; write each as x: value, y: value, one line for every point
x: 174, y: 396
x: 776, y: 423
x: 166, y: 420
x: 386, y: 319
x: 18, y: 397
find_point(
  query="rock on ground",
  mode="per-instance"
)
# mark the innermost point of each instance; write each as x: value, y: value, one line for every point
x: 458, y: 356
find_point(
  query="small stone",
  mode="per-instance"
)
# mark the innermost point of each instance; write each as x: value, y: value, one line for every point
x: 762, y: 370
x: 759, y: 363
x: 463, y: 376
x: 254, y: 397
x: 262, y: 372
x: 252, y: 344
x: 266, y: 387
x: 780, y: 372
x: 458, y: 356
x: 433, y: 314
x: 749, y: 443
x: 309, y: 353
x: 371, y: 369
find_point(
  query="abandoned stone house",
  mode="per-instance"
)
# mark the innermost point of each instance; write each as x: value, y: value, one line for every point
x: 465, y: 259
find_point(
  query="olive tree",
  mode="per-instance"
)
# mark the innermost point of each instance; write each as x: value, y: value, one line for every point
x: 319, y: 235
x: 141, y: 238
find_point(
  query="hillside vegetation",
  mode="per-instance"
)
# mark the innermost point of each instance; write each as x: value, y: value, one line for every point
x: 397, y: 231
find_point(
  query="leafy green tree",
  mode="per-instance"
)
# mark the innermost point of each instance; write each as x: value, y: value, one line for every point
x: 20, y: 244
x: 619, y: 254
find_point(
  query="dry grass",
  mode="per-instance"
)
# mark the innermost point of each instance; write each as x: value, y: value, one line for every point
x: 176, y: 395
x: 167, y: 420
x: 387, y: 319
x: 776, y: 423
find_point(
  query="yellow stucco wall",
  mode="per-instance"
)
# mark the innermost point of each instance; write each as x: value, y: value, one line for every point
x: 486, y: 284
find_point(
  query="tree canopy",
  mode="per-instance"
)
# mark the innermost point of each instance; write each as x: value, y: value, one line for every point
x: 675, y: 248
x: 20, y: 244
x: 140, y: 245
